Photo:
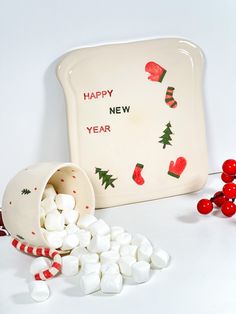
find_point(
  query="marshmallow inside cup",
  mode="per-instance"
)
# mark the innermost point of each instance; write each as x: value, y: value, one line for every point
x: 64, y: 190
x: 32, y: 194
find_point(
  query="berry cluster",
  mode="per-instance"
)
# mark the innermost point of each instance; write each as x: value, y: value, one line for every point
x: 225, y: 198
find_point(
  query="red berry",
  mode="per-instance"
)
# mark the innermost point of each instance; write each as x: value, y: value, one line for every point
x: 204, y: 206
x: 228, y: 209
x: 229, y: 190
x: 229, y: 166
x: 219, y: 199
x: 226, y: 177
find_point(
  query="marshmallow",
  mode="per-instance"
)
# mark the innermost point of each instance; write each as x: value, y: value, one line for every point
x: 144, y: 252
x: 85, y: 220
x: 49, y: 204
x: 70, y: 215
x: 115, y: 246
x: 139, y: 239
x: 71, y: 228
x: 160, y: 259
x: 129, y: 249
x: 54, y: 238
x: 141, y: 271
x: 60, y: 234
x: 110, y: 268
x: 99, y: 244
x: 99, y: 227
x: 39, y: 290
x: 54, y: 211
x: 79, y: 251
x: 109, y: 257
x: 54, y: 222
x: 115, y: 231
x: 49, y: 191
x: 65, y: 201
x: 89, y: 283
x: 39, y: 264
x: 124, y: 238
x: 125, y: 264
x: 111, y: 283
x: 88, y: 268
x: 44, y: 232
x: 89, y: 258
x: 70, y: 241
x: 84, y: 237
x: 70, y: 265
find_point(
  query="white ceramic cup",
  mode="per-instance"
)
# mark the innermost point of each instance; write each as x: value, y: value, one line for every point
x: 23, y: 194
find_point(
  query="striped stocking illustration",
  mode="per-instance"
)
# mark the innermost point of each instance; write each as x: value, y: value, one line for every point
x: 171, y: 102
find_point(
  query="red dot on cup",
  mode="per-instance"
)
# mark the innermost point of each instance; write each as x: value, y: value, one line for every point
x: 62, y: 180
x: 74, y: 177
x: 33, y: 232
x: 87, y: 206
x: 74, y: 191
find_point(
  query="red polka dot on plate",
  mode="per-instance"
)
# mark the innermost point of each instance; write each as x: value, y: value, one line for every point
x: 74, y: 177
x: 62, y: 180
x: 35, y: 189
x: 10, y: 203
x: 87, y: 206
x: 33, y: 232
x: 74, y: 191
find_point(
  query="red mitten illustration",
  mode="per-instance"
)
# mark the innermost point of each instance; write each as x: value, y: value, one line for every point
x: 137, y: 176
x: 176, y: 168
x: 157, y: 73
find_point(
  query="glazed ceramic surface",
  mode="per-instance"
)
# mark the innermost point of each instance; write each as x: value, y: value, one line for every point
x: 135, y: 118
x: 23, y: 194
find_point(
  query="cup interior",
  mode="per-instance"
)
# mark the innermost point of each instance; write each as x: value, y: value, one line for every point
x: 72, y: 180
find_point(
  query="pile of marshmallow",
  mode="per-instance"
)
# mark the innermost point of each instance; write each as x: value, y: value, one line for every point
x: 102, y: 256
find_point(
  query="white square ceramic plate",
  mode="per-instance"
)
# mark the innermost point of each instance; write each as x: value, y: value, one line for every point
x: 135, y: 118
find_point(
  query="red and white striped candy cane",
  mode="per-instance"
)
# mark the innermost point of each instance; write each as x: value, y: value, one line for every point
x: 41, y: 251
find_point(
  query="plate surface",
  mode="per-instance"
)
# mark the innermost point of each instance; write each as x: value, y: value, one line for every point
x: 135, y: 118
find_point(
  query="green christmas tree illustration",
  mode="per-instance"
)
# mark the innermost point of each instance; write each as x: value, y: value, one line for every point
x: 166, y: 138
x: 106, y: 178
x: 25, y: 191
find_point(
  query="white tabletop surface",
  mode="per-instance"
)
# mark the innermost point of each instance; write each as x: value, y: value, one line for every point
x: 201, y: 278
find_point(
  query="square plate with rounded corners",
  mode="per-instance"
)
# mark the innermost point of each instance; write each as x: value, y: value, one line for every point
x: 135, y: 118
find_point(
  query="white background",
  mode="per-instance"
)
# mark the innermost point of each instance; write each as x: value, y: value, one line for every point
x: 34, y: 34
